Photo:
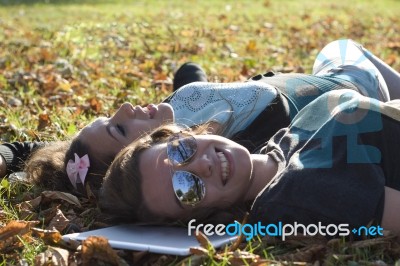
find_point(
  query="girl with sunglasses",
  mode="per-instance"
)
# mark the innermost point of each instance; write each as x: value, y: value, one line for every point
x: 234, y: 110
x: 334, y: 164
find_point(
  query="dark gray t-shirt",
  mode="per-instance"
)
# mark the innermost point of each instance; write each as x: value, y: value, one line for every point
x: 334, y: 161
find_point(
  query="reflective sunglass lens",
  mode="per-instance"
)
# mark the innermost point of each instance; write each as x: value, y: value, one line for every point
x: 181, y: 148
x: 189, y: 188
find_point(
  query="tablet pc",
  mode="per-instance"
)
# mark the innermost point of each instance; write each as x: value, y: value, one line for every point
x: 156, y: 239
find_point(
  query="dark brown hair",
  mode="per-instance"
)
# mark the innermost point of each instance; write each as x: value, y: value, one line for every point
x: 46, y: 167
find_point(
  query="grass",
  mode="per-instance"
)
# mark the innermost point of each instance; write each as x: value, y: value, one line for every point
x: 64, y: 62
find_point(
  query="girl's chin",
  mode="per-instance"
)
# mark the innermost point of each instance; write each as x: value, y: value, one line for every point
x: 166, y: 110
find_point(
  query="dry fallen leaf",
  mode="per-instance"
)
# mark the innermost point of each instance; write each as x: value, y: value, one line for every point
x: 251, y: 46
x: 138, y: 255
x: 95, y: 104
x: 198, y: 251
x: 96, y: 250
x: 53, y: 256
x: 49, y: 236
x: 238, y: 257
x: 58, y: 195
x: 30, y: 204
x: 47, y: 215
x: 53, y: 237
x: 204, y: 241
x: 59, y: 221
x: 11, y: 233
x: 44, y: 121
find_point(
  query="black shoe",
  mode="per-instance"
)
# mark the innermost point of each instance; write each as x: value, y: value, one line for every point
x: 189, y: 72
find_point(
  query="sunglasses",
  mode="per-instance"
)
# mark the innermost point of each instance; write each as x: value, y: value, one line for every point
x: 189, y: 188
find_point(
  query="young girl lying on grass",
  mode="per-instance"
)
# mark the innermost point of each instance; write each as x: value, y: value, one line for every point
x: 248, y: 113
x: 334, y: 164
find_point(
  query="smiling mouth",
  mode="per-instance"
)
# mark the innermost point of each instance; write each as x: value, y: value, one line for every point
x: 224, y: 167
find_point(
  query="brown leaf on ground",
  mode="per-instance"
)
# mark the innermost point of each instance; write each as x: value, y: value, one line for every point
x: 138, y: 255
x: 30, y: 204
x: 27, y: 215
x: 58, y: 195
x: 53, y: 237
x: 160, y: 261
x: 204, y: 241
x: 251, y: 46
x: 59, y: 221
x: 198, y: 251
x: 238, y: 257
x: 160, y: 76
x: 44, y: 121
x: 10, y: 234
x: 392, y: 59
x: 53, y: 256
x: 96, y: 250
x: 95, y: 104
x: 394, y: 45
x: 48, y: 82
x: 90, y: 195
x: 49, y: 236
x: 48, y: 214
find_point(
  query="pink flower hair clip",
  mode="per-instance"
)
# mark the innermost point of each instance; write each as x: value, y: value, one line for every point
x: 77, y: 170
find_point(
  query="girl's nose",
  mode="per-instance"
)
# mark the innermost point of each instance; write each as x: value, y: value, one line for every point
x: 201, y: 166
x: 126, y: 110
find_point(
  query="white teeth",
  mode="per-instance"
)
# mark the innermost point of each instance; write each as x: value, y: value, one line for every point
x: 224, y: 165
